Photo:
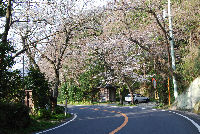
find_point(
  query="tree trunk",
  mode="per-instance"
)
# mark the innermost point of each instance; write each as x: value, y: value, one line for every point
x: 4, y: 38
x: 7, y: 26
x: 28, y: 52
x: 120, y: 97
x: 92, y: 93
x: 129, y: 88
x: 55, y: 92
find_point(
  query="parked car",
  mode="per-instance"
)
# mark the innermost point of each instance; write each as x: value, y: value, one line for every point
x: 137, y: 98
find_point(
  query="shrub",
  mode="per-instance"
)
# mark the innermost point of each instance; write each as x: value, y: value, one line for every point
x: 36, y: 82
x: 119, y: 104
x: 44, y: 113
x: 14, y: 116
x: 59, y: 110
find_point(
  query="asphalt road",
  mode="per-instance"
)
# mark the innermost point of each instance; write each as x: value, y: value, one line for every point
x: 106, y: 119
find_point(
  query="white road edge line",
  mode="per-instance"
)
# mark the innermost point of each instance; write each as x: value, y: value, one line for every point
x: 194, y: 123
x: 58, y: 126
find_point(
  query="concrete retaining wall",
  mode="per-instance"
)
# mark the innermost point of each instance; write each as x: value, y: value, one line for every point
x: 188, y: 99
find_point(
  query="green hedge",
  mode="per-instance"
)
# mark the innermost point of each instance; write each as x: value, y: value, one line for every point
x: 13, y: 116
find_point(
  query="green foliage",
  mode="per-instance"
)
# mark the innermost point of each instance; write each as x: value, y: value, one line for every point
x: 44, y: 113
x: 161, y: 105
x: 60, y: 116
x: 123, y: 93
x: 132, y: 104
x: 189, y: 66
x: 83, y: 102
x: 37, y: 125
x: 197, y: 65
x: 41, y: 125
x: 34, y: 126
x: 189, y: 22
x: 161, y: 87
x: 2, y: 9
x: 13, y: 116
x: 119, y: 104
x: 10, y: 81
x: 11, y: 86
x: 36, y: 82
x: 59, y: 110
x: 137, y: 18
x: 5, y: 51
x: 88, y: 80
x: 98, y: 33
x: 73, y: 92
x: 47, y: 114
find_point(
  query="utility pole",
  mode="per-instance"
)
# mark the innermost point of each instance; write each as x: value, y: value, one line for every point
x: 172, y: 48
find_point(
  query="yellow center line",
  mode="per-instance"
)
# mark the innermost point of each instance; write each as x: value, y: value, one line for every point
x: 124, y: 124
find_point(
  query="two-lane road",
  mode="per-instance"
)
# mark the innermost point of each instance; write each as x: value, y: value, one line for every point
x: 125, y: 120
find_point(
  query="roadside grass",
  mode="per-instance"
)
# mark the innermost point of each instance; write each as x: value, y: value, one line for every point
x: 37, y: 123
x: 119, y: 104
x: 85, y: 103
x: 161, y: 106
x: 130, y: 104
x: 97, y: 103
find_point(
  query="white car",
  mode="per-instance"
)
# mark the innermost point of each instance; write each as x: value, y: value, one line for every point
x: 136, y: 98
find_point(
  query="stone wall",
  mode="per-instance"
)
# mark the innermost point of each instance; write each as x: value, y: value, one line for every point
x: 188, y: 99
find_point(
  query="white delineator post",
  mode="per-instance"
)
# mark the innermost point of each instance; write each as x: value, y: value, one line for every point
x: 66, y: 110
x: 172, y: 48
